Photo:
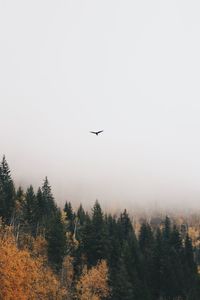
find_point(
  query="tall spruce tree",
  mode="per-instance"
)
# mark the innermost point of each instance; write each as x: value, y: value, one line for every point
x: 7, y: 192
x: 167, y: 267
x: 30, y: 209
x: 41, y: 208
x: 190, y: 272
x: 81, y: 215
x: 176, y: 259
x: 99, y: 235
x: 56, y: 238
x: 122, y: 286
x: 70, y: 217
x: 125, y: 227
x: 48, y: 199
x: 157, y: 270
x: 19, y: 205
x: 146, y: 243
x: 94, y: 236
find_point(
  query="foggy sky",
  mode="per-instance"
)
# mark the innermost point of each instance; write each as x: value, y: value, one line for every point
x: 131, y: 68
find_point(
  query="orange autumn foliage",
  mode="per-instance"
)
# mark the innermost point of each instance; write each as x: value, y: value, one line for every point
x: 23, y: 277
x: 67, y: 277
x: 93, y: 284
x: 39, y: 247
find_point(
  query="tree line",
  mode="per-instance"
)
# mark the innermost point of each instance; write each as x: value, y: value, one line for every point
x: 94, y: 249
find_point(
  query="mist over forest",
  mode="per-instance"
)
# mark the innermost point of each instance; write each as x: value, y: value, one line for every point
x: 135, y: 75
x: 99, y: 150
x: 48, y: 252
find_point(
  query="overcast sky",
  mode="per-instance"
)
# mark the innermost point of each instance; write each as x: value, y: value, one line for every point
x: 131, y: 68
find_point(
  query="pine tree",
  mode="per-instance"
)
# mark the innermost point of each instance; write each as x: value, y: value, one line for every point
x: 70, y: 217
x: 81, y: 215
x: 167, y: 267
x: 175, y: 240
x: 41, y: 208
x: 94, y: 236
x: 190, y: 272
x: 20, y: 194
x: 56, y: 239
x: 99, y: 235
x: 49, y: 205
x: 122, y: 286
x: 19, y: 204
x: 157, y: 270
x: 166, y: 229
x: 113, y: 242
x: 30, y: 209
x: 7, y: 192
x: 189, y: 255
x: 176, y: 259
x: 131, y: 256
x: 125, y: 226
x: 86, y: 240
x: 172, y: 269
x: 146, y: 243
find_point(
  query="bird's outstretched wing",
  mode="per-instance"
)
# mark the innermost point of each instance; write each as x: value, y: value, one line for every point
x: 93, y: 132
x: 99, y: 131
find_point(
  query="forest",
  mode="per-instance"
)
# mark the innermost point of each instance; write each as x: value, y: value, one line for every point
x: 51, y: 253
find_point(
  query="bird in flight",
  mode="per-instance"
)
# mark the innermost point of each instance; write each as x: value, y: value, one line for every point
x: 96, y: 132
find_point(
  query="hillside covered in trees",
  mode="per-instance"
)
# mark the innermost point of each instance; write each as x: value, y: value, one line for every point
x: 49, y: 253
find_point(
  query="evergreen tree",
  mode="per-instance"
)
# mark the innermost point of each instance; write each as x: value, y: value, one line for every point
x: 70, y: 217
x: 175, y: 240
x: 19, y: 204
x: 166, y: 230
x: 56, y: 239
x: 30, y: 209
x: 7, y: 192
x: 94, y: 236
x: 20, y: 194
x: 46, y: 208
x: 131, y: 256
x: 86, y: 240
x: 125, y: 227
x: 18, y: 214
x: 81, y: 215
x: 99, y: 235
x: 189, y: 255
x: 113, y: 241
x: 146, y: 243
x: 48, y: 200
x: 176, y: 260
x: 190, y: 272
x: 157, y: 270
x: 83, y: 250
x: 122, y: 287
x: 41, y: 208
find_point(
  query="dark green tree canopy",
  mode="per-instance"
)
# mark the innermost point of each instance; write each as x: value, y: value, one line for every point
x: 7, y: 193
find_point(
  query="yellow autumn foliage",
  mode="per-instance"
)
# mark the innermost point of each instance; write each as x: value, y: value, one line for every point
x: 93, y: 284
x: 23, y: 277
